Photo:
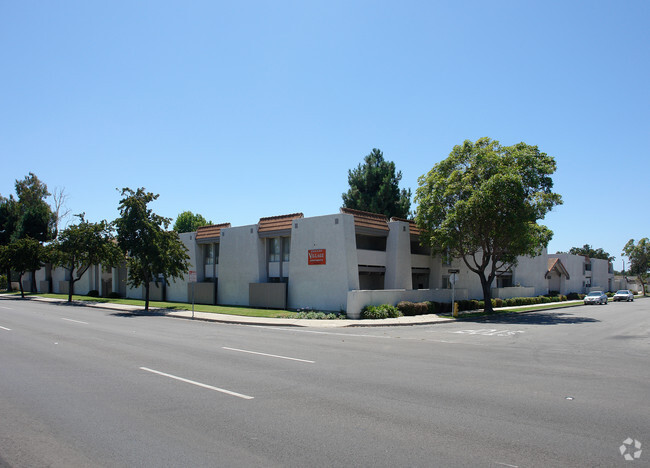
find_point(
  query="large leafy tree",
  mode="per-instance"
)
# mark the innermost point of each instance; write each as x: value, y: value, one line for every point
x: 35, y: 217
x: 151, y: 250
x: 482, y: 204
x: 8, y: 222
x: 189, y: 222
x: 639, y: 255
x: 374, y: 187
x: 28, y: 216
x: 21, y: 256
x: 82, y: 245
x: 588, y: 251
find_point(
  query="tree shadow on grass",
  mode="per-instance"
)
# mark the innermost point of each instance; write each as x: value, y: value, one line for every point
x: 533, y: 318
x: 142, y: 313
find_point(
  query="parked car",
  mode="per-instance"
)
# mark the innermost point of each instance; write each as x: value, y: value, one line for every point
x: 596, y: 297
x: 623, y: 295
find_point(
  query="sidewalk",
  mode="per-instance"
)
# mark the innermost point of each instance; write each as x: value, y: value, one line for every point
x: 275, y: 322
x: 246, y: 320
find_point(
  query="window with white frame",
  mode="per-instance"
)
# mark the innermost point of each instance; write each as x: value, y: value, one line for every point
x: 208, y: 254
x: 211, y: 254
x: 446, y: 257
x: 274, y: 249
x: 286, y: 248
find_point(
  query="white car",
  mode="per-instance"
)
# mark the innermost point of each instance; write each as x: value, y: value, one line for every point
x: 596, y: 297
x: 623, y: 295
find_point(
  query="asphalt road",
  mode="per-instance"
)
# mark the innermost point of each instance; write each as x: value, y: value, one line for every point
x: 87, y: 387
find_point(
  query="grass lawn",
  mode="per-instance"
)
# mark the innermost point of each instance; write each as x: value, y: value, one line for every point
x: 215, y: 309
x: 553, y: 305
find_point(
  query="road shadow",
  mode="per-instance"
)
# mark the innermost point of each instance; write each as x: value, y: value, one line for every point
x: 142, y: 313
x: 533, y: 318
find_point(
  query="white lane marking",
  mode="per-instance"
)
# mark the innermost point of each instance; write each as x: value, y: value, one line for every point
x: 490, y: 332
x: 198, y: 384
x: 505, y: 464
x: 8, y: 329
x: 269, y: 355
x: 75, y: 321
x: 8, y: 308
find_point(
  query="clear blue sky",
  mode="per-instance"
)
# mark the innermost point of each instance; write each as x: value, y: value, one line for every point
x: 240, y: 110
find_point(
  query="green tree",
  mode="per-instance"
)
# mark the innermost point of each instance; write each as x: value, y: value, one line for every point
x: 8, y: 221
x: 482, y: 204
x: 588, y: 251
x: 639, y: 256
x: 374, y: 187
x: 189, y: 222
x: 82, y: 245
x: 151, y: 250
x: 35, y: 217
x: 29, y: 216
x: 21, y: 256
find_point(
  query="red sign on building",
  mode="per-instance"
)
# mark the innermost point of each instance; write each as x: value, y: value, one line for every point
x: 316, y: 257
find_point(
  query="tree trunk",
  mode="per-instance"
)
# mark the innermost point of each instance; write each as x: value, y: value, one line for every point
x: 33, y: 278
x: 20, y: 283
x: 487, y: 294
x: 71, y: 289
x: 146, y: 296
x: 71, y: 284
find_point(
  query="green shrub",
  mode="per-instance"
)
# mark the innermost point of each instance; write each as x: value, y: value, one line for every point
x: 380, y: 312
x: 3, y: 282
x: 497, y: 302
x: 481, y: 304
x: 93, y: 293
x: 421, y: 308
x: 432, y: 307
x: 406, y: 308
x: 609, y: 294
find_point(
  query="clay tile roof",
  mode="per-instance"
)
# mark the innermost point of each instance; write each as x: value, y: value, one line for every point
x: 413, y: 228
x: 367, y: 220
x: 277, y: 223
x: 210, y: 232
x: 557, y: 265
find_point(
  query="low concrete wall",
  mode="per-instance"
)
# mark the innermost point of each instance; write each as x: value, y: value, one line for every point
x: 514, y: 291
x: 203, y: 293
x: 358, y: 299
x: 64, y: 287
x: 267, y: 295
x: 44, y: 287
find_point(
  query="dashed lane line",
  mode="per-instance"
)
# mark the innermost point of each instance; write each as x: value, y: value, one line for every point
x: 198, y: 384
x: 267, y: 355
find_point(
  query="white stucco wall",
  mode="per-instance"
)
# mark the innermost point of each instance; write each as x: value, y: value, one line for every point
x: 177, y: 288
x: 398, y: 256
x: 241, y: 262
x: 599, y: 274
x: 358, y: 299
x: 323, y: 287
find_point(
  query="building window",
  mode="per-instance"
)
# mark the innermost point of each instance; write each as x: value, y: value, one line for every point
x: 208, y: 254
x: 211, y: 254
x: 371, y: 242
x: 286, y: 248
x: 446, y: 257
x: 446, y: 284
x: 587, y: 266
x: 274, y: 249
x: 504, y: 281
